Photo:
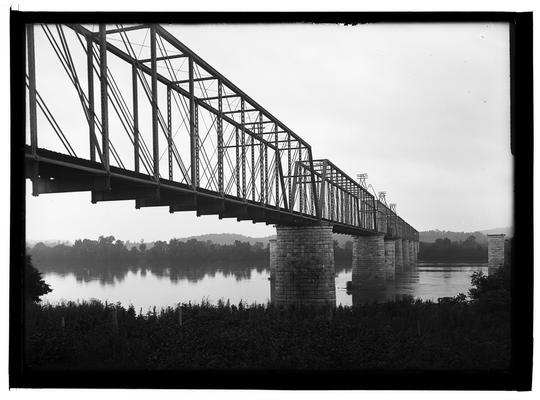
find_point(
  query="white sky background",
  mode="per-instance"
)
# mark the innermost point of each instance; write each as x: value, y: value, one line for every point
x: 244, y: 5
x: 422, y: 108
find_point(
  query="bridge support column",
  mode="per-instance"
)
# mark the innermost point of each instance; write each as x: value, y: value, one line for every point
x: 406, y: 255
x: 495, y: 252
x: 368, y: 262
x: 412, y: 254
x: 304, y: 266
x: 273, y: 258
x: 390, y: 259
x: 273, y: 262
x: 399, y: 255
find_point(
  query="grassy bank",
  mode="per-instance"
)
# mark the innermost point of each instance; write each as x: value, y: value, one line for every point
x: 450, y: 335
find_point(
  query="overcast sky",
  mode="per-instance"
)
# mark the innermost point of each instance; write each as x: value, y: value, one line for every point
x: 424, y: 109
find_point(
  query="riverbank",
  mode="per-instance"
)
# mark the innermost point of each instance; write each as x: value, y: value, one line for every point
x: 452, y: 334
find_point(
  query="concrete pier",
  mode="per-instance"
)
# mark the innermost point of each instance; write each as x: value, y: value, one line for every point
x: 304, y: 266
x: 399, y: 255
x: 390, y: 259
x: 368, y: 261
x: 495, y: 252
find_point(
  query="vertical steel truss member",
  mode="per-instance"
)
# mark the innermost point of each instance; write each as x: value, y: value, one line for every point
x: 104, y: 107
x: 332, y: 202
x: 261, y: 159
x: 197, y: 145
x: 155, y: 132
x: 32, y: 88
x: 169, y: 132
x: 220, y: 139
x: 242, y: 122
x: 135, y: 118
x: 266, y: 199
x: 91, y: 115
x: 322, y: 190
x: 341, y: 205
x: 278, y: 160
x: 289, y: 171
x: 301, y: 183
x: 374, y: 213
x: 193, y: 139
x: 314, y: 198
x: 252, y: 169
x: 237, y: 169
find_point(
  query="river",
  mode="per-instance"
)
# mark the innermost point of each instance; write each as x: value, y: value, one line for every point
x: 162, y: 287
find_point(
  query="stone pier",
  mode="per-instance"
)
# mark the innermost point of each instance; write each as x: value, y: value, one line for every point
x: 304, y: 266
x: 412, y: 254
x: 390, y: 259
x: 399, y: 255
x: 368, y: 261
x: 273, y: 258
x: 406, y: 255
x: 273, y: 253
x: 495, y: 252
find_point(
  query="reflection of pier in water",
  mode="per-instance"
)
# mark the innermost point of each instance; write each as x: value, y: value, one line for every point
x: 399, y: 288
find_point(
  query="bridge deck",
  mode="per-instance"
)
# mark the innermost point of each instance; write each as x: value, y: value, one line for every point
x: 53, y: 172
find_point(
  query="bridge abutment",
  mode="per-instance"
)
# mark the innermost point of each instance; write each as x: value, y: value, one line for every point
x: 368, y: 261
x: 495, y: 252
x: 304, y: 266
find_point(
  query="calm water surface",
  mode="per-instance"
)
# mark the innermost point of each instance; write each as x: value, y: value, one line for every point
x: 145, y: 288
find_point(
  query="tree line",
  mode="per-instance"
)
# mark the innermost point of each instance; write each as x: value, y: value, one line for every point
x: 445, y: 250
x: 107, y: 251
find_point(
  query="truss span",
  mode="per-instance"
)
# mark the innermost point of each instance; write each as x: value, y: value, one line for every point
x: 129, y: 112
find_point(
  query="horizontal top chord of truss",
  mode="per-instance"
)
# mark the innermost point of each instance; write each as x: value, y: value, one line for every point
x: 197, y: 141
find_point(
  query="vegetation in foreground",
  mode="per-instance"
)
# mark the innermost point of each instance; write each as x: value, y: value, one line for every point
x: 452, y: 334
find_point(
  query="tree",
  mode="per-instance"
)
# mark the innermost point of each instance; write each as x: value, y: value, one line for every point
x: 491, y: 292
x: 34, y: 285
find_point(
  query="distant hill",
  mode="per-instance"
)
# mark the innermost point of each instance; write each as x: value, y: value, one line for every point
x: 229, y: 238
x: 508, y: 231
x: 433, y: 235
x: 48, y: 243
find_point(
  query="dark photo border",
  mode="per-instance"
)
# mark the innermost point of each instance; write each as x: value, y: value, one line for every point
x: 519, y: 377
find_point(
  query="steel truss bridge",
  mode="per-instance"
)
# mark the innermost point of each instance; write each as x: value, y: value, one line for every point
x: 146, y: 119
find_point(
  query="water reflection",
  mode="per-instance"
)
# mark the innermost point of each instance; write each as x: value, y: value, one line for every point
x: 167, y: 285
x: 115, y: 274
x: 112, y: 275
x: 427, y: 282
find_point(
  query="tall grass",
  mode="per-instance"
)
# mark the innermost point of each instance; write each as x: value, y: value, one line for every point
x: 406, y: 335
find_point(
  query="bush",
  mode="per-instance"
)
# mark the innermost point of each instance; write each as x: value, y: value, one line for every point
x: 34, y: 285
